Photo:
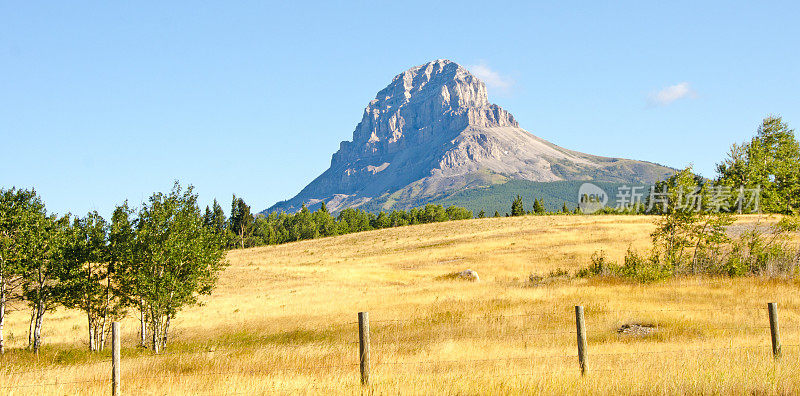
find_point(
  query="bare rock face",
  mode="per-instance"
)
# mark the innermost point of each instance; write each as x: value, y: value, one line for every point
x: 419, y: 107
x: 433, y: 131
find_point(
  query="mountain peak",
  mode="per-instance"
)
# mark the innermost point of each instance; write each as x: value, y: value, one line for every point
x: 432, y: 131
x: 440, y: 77
x: 423, y: 104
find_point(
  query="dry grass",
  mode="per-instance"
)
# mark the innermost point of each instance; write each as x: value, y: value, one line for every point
x: 283, y: 321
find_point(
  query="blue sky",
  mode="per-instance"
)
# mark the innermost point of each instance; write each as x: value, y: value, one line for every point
x: 106, y: 101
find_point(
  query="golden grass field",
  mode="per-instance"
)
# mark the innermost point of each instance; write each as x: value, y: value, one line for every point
x: 283, y: 320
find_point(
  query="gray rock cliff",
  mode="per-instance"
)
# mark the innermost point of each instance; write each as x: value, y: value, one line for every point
x: 433, y: 132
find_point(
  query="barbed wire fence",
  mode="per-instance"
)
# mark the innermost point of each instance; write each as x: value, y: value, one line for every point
x: 392, y: 334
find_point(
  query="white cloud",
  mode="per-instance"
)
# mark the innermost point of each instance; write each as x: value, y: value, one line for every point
x: 671, y: 93
x: 491, y: 78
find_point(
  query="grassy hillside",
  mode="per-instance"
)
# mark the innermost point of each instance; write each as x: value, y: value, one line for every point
x: 499, y: 196
x: 283, y: 321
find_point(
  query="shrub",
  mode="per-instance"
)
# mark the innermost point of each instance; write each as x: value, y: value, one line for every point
x: 789, y: 223
x: 600, y: 266
x: 635, y: 267
x: 556, y: 274
x: 644, y: 269
x: 757, y: 253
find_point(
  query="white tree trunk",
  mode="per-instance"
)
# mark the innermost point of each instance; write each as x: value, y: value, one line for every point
x: 166, y: 333
x: 156, y: 341
x: 142, y: 326
x: 30, y: 328
x: 102, y: 345
x: 37, y: 330
x: 105, y: 313
x: 92, y: 345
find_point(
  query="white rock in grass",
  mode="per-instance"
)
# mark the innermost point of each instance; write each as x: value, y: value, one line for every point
x: 469, y: 275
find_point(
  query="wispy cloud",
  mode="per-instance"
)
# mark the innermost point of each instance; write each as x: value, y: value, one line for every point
x: 492, y: 78
x: 671, y: 93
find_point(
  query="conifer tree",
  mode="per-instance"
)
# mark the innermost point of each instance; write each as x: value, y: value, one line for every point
x: 538, y: 207
x: 241, y: 221
x: 517, y: 207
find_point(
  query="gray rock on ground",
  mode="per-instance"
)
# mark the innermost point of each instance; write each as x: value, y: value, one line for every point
x: 469, y: 275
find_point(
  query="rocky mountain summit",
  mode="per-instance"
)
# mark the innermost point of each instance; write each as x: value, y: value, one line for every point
x: 433, y: 132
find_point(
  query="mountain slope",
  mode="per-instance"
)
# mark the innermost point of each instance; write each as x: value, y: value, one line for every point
x: 432, y: 133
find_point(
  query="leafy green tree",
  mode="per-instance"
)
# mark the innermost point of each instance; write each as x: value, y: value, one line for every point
x: 88, y: 277
x: 769, y: 161
x: 304, y: 226
x: 481, y: 214
x: 457, y: 213
x: 517, y: 207
x: 124, y: 268
x: 179, y: 258
x: 326, y: 224
x: 44, y: 243
x: 352, y: 220
x: 398, y: 218
x: 688, y: 234
x: 264, y: 230
x: 19, y: 210
x: 383, y: 220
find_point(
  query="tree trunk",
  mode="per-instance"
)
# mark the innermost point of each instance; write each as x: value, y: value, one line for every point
x: 166, y: 333
x: 142, y: 326
x: 696, y: 249
x: 92, y: 345
x: 37, y: 330
x: 156, y: 341
x: 30, y: 328
x: 102, y: 335
x: 105, y: 313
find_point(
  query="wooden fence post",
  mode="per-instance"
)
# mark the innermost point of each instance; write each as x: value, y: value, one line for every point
x: 363, y: 346
x: 581, y: 327
x: 773, y: 329
x: 115, y: 360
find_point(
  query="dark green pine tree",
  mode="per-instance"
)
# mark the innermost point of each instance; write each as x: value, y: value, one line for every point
x: 481, y: 214
x: 517, y: 207
x: 218, y: 220
x: 565, y: 209
x: 538, y: 207
x: 241, y: 221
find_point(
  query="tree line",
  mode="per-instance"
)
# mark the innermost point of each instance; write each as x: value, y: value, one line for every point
x: 155, y: 260
x: 244, y: 229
